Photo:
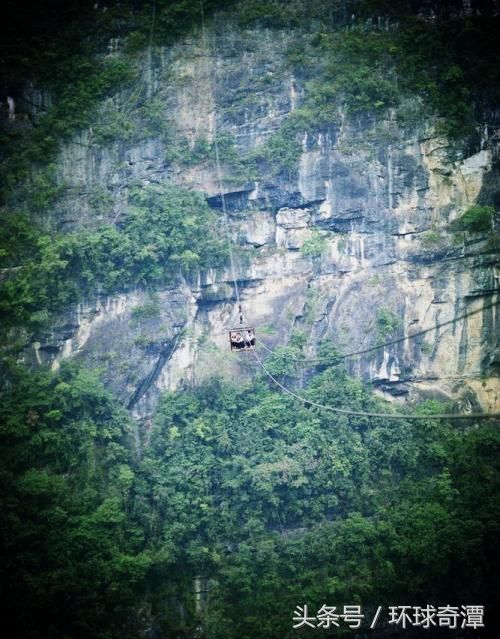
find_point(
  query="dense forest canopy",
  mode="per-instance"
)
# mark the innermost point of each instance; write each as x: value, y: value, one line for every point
x: 242, y: 503
x: 273, y: 503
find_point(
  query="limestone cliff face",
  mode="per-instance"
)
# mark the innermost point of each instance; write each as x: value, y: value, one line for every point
x: 373, y: 199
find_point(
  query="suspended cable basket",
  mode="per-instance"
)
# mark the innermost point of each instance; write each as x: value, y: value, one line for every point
x: 242, y: 339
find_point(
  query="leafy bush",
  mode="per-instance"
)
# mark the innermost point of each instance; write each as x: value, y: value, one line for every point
x: 17, y: 239
x: 430, y: 239
x: 314, y: 245
x: 281, y: 152
x: 271, y: 14
x: 111, y: 126
x: 164, y: 231
x: 149, y: 310
x: 477, y: 219
x: 387, y: 324
x: 427, y: 348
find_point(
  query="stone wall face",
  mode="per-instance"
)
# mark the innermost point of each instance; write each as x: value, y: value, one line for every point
x: 375, y: 197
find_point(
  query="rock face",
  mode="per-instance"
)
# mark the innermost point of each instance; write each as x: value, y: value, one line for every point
x: 352, y: 247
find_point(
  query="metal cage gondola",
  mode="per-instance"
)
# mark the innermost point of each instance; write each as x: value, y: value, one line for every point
x: 242, y: 338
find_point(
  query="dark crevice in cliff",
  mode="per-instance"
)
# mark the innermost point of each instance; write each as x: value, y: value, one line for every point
x: 166, y: 353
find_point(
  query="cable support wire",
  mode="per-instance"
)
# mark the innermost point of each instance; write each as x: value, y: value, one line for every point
x: 356, y: 413
x: 399, y: 340
x: 224, y: 211
x: 219, y: 177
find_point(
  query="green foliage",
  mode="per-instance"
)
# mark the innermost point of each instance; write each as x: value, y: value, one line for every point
x: 449, y: 64
x: 71, y: 554
x: 314, y: 245
x: 42, y: 190
x: 430, y: 239
x: 315, y: 505
x: 256, y: 13
x: 271, y: 501
x: 327, y: 354
x: 419, y: 67
x: 239, y: 168
x: 281, y: 363
x: 341, y: 245
x: 359, y: 73
x: 477, y: 219
x: 267, y: 329
x: 149, y: 310
x: 66, y: 57
x: 112, y: 125
x: 17, y: 237
x: 164, y: 231
x: 100, y: 199
x: 312, y: 302
x: 77, y: 97
x: 202, y: 148
x: 282, y: 151
x: 388, y: 323
x: 144, y: 341
x: 427, y: 348
x: 349, y: 72
x: 152, y: 121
